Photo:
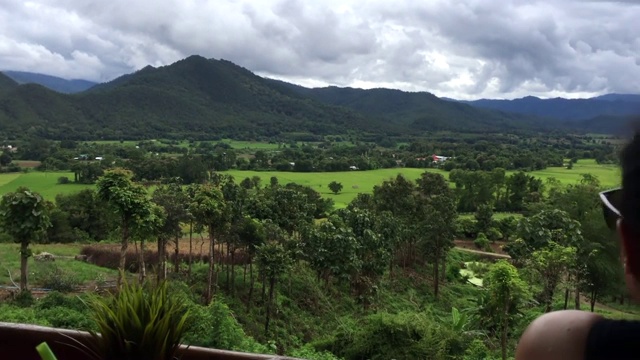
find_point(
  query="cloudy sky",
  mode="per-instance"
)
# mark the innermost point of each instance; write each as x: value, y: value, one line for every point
x: 463, y: 49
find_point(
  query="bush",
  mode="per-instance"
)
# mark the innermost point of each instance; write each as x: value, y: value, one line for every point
x: 477, y: 350
x: 508, y: 226
x: 481, y: 242
x: 494, y: 234
x: 63, y: 180
x: 14, y: 314
x: 24, y: 299
x: 52, y: 277
x: 466, y: 228
x: 309, y: 353
x: 57, y: 299
x: 214, y: 326
x: 65, y: 318
x: 406, y: 335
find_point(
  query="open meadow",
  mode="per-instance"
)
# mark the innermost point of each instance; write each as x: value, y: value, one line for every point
x: 354, y: 182
x: 45, y: 183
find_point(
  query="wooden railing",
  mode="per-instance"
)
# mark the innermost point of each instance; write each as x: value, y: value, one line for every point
x: 19, y: 341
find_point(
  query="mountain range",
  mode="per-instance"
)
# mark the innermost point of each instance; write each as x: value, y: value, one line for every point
x: 52, y: 82
x: 612, y: 105
x: 206, y: 98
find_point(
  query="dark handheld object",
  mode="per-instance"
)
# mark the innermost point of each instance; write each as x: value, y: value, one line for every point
x: 611, y: 201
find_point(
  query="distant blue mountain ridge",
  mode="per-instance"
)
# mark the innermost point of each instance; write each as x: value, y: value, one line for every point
x: 569, y: 110
x: 52, y: 82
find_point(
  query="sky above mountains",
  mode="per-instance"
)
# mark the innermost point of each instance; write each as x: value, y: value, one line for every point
x: 465, y: 49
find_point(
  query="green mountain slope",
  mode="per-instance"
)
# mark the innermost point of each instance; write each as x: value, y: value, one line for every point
x: 199, y: 98
x: 194, y: 97
x: 6, y: 83
x: 420, y: 110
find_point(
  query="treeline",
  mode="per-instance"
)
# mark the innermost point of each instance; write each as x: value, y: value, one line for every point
x: 156, y: 160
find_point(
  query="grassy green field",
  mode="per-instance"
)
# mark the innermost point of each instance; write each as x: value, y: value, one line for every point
x: 82, y: 271
x: 354, y: 182
x: 45, y: 183
x: 609, y: 175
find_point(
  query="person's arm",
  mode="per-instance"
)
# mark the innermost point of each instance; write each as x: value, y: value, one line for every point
x: 560, y: 335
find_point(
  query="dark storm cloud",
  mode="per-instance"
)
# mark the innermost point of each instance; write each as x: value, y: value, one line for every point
x: 471, y: 48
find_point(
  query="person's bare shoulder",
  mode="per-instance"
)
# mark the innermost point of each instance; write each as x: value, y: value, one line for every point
x: 558, y: 335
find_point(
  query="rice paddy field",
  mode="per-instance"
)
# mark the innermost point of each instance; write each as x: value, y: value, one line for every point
x: 354, y: 182
x: 45, y: 183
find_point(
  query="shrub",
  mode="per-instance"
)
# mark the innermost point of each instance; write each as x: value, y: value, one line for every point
x: 24, y: 299
x: 494, y: 234
x: 466, y: 227
x: 481, y: 242
x: 405, y: 335
x: 477, y: 350
x: 65, y: 318
x: 14, y: 314
x: 309, y: 353
x: 57, y: 299
x: 508, y: 226
x: 63, y: 180
x: 52, y: 277
x: 214, y: 326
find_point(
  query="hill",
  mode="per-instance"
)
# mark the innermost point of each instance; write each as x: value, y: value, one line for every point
x: 6, y: 83
x: 420, y: 110
x: 198, y: 98
x: 617, y: 105
x: 51, y: 82
x: 192, y: 98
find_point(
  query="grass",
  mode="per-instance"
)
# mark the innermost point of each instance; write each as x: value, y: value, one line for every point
x: 609, y: 175
x: 353, y: 182
x: 45, y: 183
x: 84, y: 272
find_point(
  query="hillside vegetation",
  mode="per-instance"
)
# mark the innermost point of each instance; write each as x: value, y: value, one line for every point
x: 207, y: 99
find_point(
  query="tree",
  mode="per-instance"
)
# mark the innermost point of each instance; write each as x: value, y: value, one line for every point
x: 545, y: 240
x: 24, y: 215
x: 175, y: 202
x: 145, y: 228
x: 551, y: 263
x: 208, y: 210
x: 436, y: 221
x: 5, y: 159
x: 484, y: 217
x: 274, y: 261
x: 335, y: 186
x: 252, y: 234
x: 129, y: 201
x: 330, y: 249
x: 506, y: 292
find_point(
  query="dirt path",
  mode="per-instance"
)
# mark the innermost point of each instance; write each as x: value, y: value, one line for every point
x: 484, y: 253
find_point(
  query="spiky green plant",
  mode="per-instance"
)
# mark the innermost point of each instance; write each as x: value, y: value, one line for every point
x: 138, y: 322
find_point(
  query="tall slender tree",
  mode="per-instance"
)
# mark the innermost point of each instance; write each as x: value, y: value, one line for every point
x: 175, y: 202
x: 209, y: 210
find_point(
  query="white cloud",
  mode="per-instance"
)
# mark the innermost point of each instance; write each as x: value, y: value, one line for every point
x: 455, y: 48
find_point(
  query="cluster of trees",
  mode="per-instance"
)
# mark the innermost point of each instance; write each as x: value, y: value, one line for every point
x: 156, y: 161
x: 402, y: 227
x: 504, y: 193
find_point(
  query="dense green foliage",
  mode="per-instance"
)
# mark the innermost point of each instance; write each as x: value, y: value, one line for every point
x: 272, y: 267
